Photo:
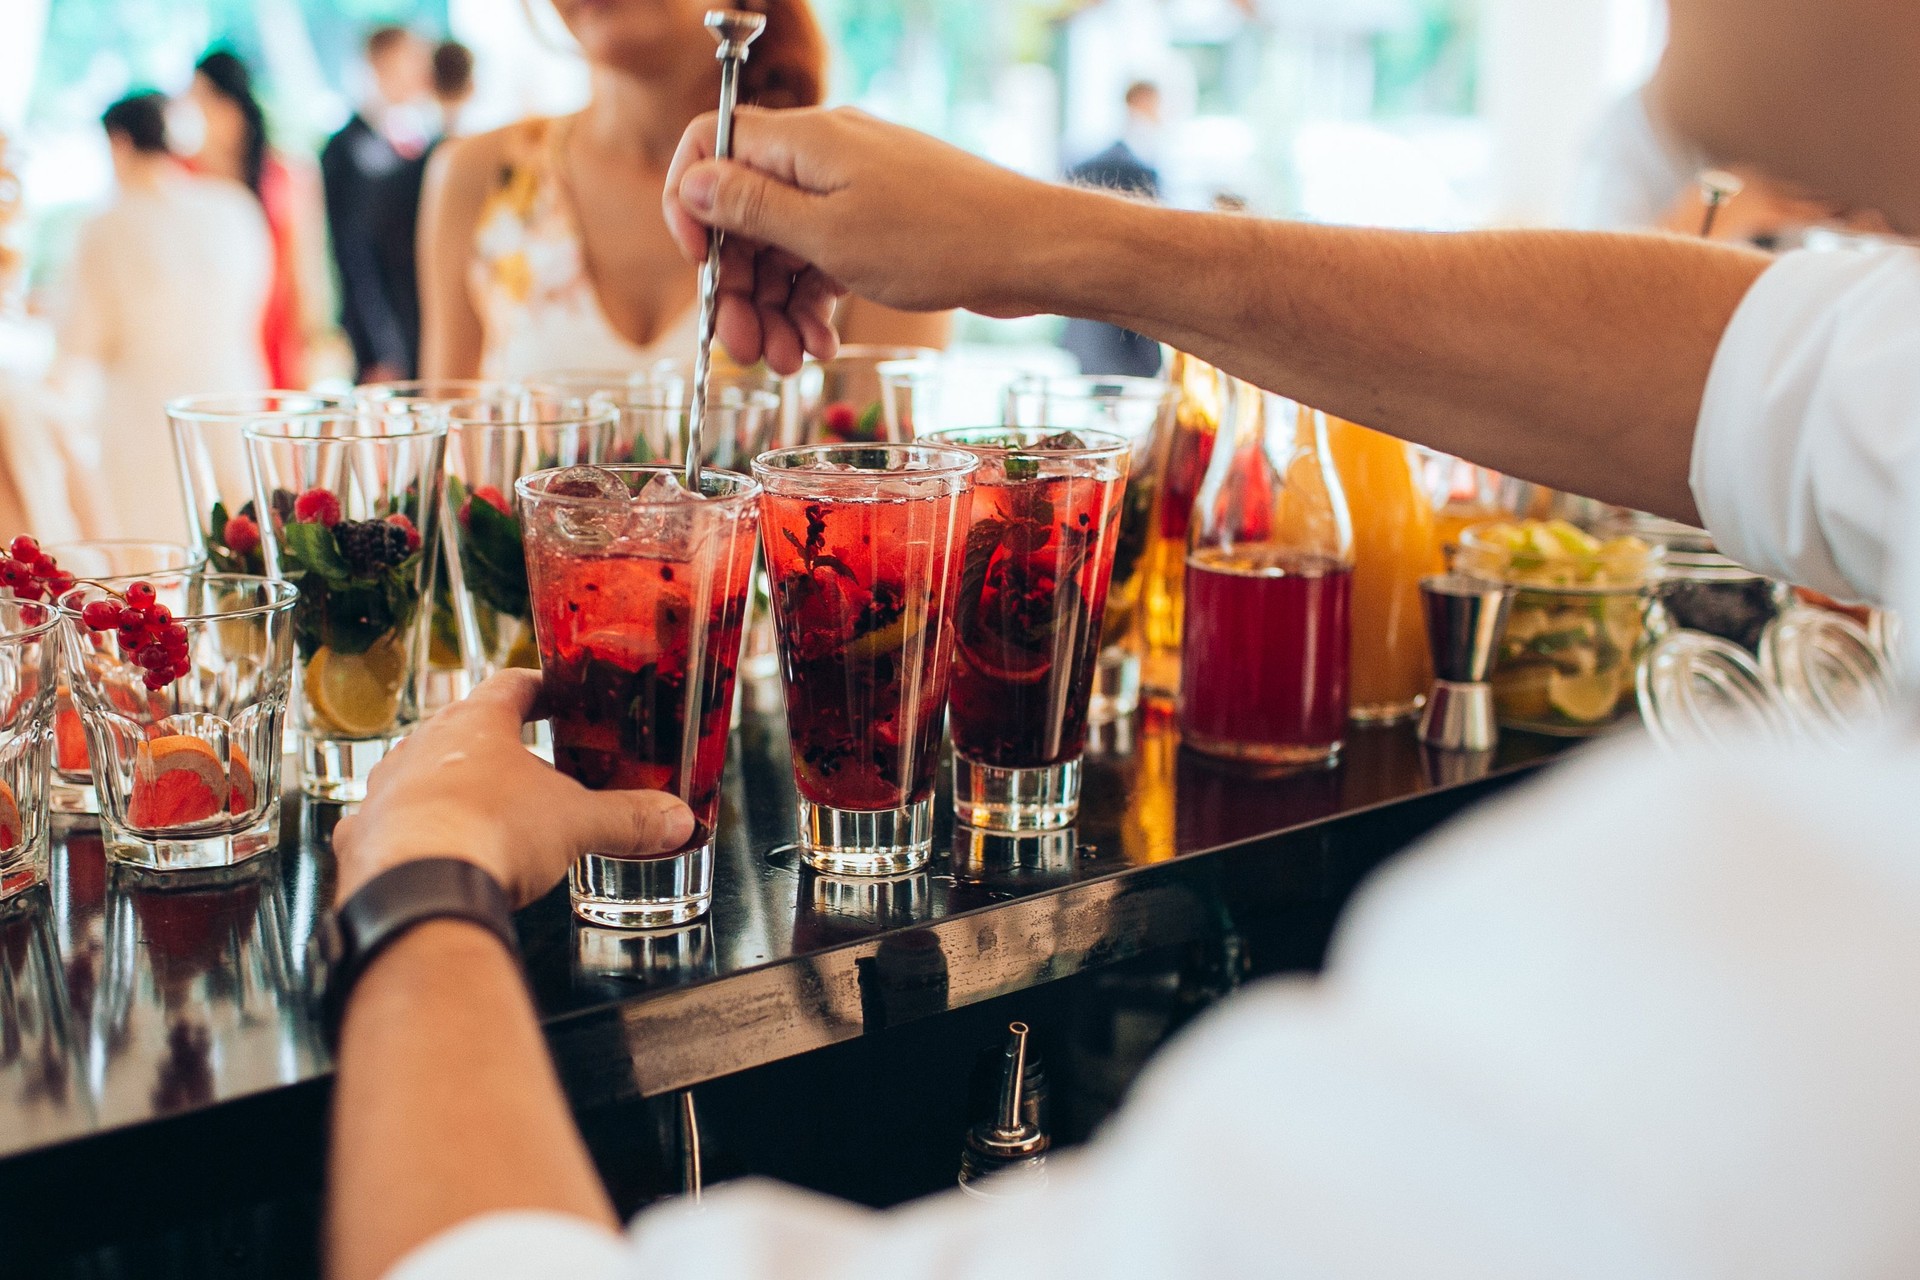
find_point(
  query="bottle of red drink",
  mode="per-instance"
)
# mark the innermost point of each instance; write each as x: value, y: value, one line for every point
x: 1264, y: 665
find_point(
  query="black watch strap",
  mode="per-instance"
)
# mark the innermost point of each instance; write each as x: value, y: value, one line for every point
x: 386, y: 907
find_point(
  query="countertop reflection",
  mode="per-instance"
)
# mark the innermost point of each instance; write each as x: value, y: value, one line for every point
x: 125, y: 999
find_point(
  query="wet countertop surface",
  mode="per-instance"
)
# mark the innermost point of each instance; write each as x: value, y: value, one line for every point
x: 125, y: 1001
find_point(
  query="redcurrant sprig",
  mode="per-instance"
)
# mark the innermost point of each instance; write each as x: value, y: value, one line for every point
x: 147, y: 632
x: 31, y: 573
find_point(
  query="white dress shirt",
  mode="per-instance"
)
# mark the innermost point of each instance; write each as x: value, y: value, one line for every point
x: 1644, y: 1018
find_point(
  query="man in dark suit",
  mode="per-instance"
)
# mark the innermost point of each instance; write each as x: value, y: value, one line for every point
x: 1107, y: 348
x: 352, y: 165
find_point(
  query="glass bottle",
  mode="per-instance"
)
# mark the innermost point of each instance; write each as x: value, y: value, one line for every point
x: 1393, y: 548
x: 1269, y: 593
x: 1201, y: 392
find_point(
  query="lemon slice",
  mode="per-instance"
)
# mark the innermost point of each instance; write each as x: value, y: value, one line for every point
x: 524, y: 653
x: 358, y: 693
x: 1585, y: 699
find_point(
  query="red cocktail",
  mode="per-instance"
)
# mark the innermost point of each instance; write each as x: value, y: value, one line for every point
x: 639, y: 600
x: 863, y: 551
x: 1033, y: 588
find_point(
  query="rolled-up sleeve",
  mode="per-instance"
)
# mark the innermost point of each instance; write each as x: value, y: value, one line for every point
x: 1806, y: 462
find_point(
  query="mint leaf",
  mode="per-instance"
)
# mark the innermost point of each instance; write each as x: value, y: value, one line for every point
x: 312, y: 547
x: 494, y: 559
x: 868, y: 428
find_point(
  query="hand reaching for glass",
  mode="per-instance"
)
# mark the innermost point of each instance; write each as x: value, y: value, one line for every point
x: 817, y: 204
x: 464, y: 786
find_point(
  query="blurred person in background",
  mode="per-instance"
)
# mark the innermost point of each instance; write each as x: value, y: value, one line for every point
x: 395, y: 213
x: 166, y: 292
x: 234, y: 145
x: 377, y: 140
x: 532, y: 256
x: 1128, y: 168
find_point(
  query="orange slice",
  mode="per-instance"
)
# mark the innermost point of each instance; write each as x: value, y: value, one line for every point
x: 240, y: 783
x: 9, y: 819
x: 177, y: 780
x: 69, y: 741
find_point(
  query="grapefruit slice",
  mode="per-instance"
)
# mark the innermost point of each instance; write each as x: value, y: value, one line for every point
x: 177, y: 780
x: 69, y: 741
x: 239, y: 782
x: 10, y: 832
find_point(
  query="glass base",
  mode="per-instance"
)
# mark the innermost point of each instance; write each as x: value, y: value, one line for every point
x: 855, y: 842
x: 23, y: 868
x: 1116, y: 686
x: 336, y: 769
x: 1387, y: 712
x: 1015, y: 799
x: 1266, y: 755
x: 664, y: 957
x: 643, y: 893
x: 72, y: 797
x: 193, y: 853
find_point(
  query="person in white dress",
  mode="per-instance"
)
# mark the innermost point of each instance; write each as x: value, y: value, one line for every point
x: 163, y: 299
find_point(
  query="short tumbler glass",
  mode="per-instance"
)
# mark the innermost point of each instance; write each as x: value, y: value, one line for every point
x: 354, y: 507
x: 188, y: 775
x: 95, y: 560
x: 28, y: 671
x: 863, y: 546
x: 639, y: 597
x: 1033, y: 591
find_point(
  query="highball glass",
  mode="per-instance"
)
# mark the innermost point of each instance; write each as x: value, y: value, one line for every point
x: 28, y: 670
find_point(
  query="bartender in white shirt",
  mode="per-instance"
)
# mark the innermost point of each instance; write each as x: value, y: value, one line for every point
x: 1646, y: 1018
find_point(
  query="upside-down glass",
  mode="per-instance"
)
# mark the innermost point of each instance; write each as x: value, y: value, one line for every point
x: 863, y: 546
x: 97, y: 559
x: 639, y: 604
x: 491, y: 444
x: 354, y: 506
x: 188, y: 775
x: 1140, y: 409
x: 211, y: 450
x: 28, y: 671
x: 1033, y: 588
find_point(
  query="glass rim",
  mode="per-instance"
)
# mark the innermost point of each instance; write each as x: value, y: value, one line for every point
x: 649, y: 398
x: 389, y: 392
x: 433, y: 426
x: 1126, y: 386
x: 589, y: 414
x: 84, y: 544
x: 224, y: 406
x: 898, y: 353
x: 285, y: 593
x: 745, y: 487
x: 940, y: 363
x: 1119, y: 444
x: 13, y: 605
x: 955, y: 463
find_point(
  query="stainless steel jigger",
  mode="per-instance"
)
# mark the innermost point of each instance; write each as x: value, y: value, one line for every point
x: 735, y: 29
x: 1465, y: 618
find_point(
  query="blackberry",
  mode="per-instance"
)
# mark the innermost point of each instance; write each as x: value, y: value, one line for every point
x: 370, y: 545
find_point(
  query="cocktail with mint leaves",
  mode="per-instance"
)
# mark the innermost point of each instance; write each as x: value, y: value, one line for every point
x: 210, y: 450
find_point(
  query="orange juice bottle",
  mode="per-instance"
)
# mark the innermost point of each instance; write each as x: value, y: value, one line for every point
x: 1202, y: 391
x: 1466, y: 495
x: 1394, y: 546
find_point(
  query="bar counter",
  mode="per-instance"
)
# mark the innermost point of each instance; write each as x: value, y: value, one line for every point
x: 158, y: 1044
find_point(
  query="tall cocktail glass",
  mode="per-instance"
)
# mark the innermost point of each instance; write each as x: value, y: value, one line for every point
x: 839, y: 400
x: 1141, y: 409
x: 639, y: 597
x: 210, y: 449
x: 933, y: 393
x: 28, y: 667
x: 96, y: 559
x: 354, y: 520
x: 863, y: 546
x: 1033, y: 589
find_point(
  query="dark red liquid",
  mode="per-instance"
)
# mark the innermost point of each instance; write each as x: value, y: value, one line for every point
x: 1033, y: 589
x: 1264, y: 664
x: 633, y: 705
x: 862, y: 595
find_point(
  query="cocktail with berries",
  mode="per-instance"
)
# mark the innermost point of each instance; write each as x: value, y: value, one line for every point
x: 352, y: 511
x: 180, y: 680
x: 863, y: 551
x: 639, y: 593
x: 1033, y: 590
x: 209, y: 446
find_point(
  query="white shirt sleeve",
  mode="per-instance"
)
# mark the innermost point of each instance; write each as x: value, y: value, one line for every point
x: 1806, y: 461
x: 1646, y: 1018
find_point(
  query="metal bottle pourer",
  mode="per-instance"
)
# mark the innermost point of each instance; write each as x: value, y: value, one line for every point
x: 1717, y: 186
x: 1011, y: 1148
x: 734, y: 29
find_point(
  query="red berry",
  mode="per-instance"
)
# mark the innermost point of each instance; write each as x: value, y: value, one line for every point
x: 158, y: 615
x: 15, y: 574
x: 59, y: 583
x: 101, y: 615
x: 154, y: 657
x: 30, y: 590
x: 488, y: 494
x: 157, y: 679
x: 400, y: 521
x: 840, y: 420
x: 140, y: 596
x: 175, y: 639
x: 242, y: 534
x: 317, y: 506
x: 24, y: 548
x: 133, y: 634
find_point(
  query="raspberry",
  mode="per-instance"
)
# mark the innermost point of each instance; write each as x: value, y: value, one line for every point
x: 317, y: 506
x: 101, y: 615
x: 488, y: 494
x: 140, y: 596
x: 242, y: 534
x: 402, y: 523
x: 25, y: 548
x: 840, y: 420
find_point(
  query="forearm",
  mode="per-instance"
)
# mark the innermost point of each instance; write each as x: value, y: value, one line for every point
x: 446, y: 1105
x: 1574, y: 360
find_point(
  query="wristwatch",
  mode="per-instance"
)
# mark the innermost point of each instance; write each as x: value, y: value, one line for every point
x: 386, y: 907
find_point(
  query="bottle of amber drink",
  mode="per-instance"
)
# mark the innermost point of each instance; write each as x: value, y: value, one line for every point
x: 1201, y: 392
x: 1265, y: 662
